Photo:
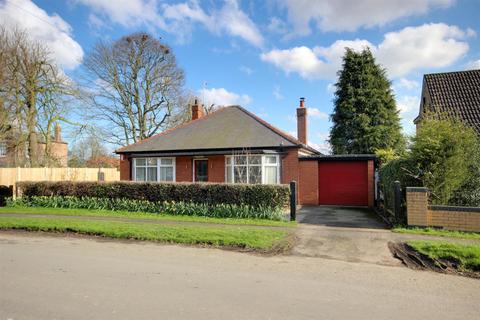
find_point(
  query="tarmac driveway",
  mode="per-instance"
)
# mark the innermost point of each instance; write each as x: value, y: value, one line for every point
x: 347, y: 234
x: 345, y: 217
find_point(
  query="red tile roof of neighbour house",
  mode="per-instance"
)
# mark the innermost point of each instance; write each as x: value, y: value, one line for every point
x: 455, y: 94
x: 227, y: 128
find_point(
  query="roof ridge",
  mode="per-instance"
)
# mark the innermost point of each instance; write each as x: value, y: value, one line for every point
x: 170, y: 130
x: 450, y: 72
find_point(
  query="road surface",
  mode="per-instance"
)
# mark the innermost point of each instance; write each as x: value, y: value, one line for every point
x: 53, y: 277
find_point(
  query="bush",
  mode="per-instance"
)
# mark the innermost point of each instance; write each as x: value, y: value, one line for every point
x: 447, y: 154
x: 468, y: 194
x: 165, y: 207
x: 265, y: 196
x: 5, y: 192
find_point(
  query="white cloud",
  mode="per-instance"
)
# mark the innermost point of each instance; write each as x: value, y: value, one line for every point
x: 427, y: 46
x: 424, y: 47
x: 248, y: 71
x: 407, y: 104
x: 316, y: 113
x: 404, y: 83
x: 473, y: 65
x: 223, y: 97
x: 277, y: 26
x: 127, y: 13
x: 229, y: 19
x: 331, y: 88
x: 179, y: 18
x: 348, y: 15
x: 277, y: 94
x: 50, y: 30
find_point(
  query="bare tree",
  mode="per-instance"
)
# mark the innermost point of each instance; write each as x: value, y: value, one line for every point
x: 135, y: 86
x: 32, y: 83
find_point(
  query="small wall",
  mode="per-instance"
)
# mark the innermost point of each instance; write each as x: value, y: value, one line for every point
x: 420, y: 213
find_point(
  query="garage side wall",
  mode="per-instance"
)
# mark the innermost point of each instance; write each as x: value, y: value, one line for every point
x: 308, y: 182
x: 371, y: 183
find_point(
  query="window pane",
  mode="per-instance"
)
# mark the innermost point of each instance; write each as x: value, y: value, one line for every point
x: 255, y: 160
x: 166, y: 174
x: 140, y: 162
x: 255, y: 174
x: 240, y: 174
x: 167, y: 161
x: 152, y: 174
x: 229, y: 174
x: 228, y: 160
x: 241, y: 160
x: 152, y: 162
x: 139, y: 174
x: 271, y: 175
x: 271, y: 159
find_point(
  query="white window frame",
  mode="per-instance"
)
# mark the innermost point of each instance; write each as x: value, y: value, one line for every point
x: 231, y: 167
x: 159, y: 165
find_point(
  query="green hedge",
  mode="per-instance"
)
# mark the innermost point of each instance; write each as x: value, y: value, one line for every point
x: 166, y: 207
x: 265, y: 196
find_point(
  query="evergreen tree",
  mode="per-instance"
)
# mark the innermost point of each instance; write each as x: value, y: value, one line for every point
x: 365, y: 117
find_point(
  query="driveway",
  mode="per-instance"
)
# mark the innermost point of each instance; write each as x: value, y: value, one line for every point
x: 73, y: 278
x: 348, y: 234
x: 345, y: 217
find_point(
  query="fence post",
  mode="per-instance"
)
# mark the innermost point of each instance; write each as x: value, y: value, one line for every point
x: 397, y: 191
x: 293, y: 200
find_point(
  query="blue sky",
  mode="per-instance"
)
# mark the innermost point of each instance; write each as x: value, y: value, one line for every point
x: 264, y: 55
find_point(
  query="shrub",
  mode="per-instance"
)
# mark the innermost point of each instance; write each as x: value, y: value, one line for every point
x: 268, y: 196
x: 446, y: 153
x: 165, y: 207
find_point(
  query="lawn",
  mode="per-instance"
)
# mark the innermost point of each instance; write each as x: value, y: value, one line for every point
x: 438, y: 232
x: 141, y: 215
x: 467, y: 256
x: 221, y: 236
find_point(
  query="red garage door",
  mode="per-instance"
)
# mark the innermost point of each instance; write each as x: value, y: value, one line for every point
x: 343, y: 183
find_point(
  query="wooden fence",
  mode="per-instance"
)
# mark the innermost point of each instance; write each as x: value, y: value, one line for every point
x: 10, y: 176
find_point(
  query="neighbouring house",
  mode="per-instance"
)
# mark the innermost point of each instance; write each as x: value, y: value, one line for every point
x: 12, y: 155
x: 232, y: 145
x: 452, y: 95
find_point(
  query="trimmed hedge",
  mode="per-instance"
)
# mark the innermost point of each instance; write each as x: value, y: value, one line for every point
x: 254, y: 195
x: 166, y: 207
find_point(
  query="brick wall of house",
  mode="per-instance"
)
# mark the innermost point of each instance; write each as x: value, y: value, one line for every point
x: 184, y: 169
x: 419, y: 213
x: 371, y: 183
x: 290, y: 166
x: 125, y: 168
x: 308, y: 182
x: 216, y: 169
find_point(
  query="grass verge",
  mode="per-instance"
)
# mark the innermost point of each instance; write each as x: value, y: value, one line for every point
x: 438, y: 233
x: 236, y: 237
x: 142, y: 215
x: 466, y: 257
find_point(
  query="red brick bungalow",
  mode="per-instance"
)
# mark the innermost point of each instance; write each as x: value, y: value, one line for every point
x: 235, y: 146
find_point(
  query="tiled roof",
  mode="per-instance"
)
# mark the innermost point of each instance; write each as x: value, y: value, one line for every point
x: 228, y: 128
x: 456, y: 94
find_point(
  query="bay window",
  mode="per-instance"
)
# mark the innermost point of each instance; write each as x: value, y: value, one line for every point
x: 255, y: 169
x: 154, y: 169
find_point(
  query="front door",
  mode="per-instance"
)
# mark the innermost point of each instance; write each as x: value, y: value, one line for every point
x: 201, y: 170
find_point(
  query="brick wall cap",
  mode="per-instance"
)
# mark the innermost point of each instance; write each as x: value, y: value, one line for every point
x: 453, y: 208
x: 417, y: 189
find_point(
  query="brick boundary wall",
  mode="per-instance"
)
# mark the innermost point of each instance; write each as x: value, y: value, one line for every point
x: 420, y: 213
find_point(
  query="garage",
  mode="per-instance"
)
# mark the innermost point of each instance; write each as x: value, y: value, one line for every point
x: 343, y: 183
x: 340, y: 180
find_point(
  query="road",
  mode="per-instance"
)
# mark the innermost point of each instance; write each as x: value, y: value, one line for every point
x: 49, y: 277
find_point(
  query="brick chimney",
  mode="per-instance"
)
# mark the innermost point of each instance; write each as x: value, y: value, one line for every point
x: 302, y: 122
x: 197, y: 110
x: 58, y: 133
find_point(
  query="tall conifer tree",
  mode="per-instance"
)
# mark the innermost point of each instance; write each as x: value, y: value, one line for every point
x: 365, y: 117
